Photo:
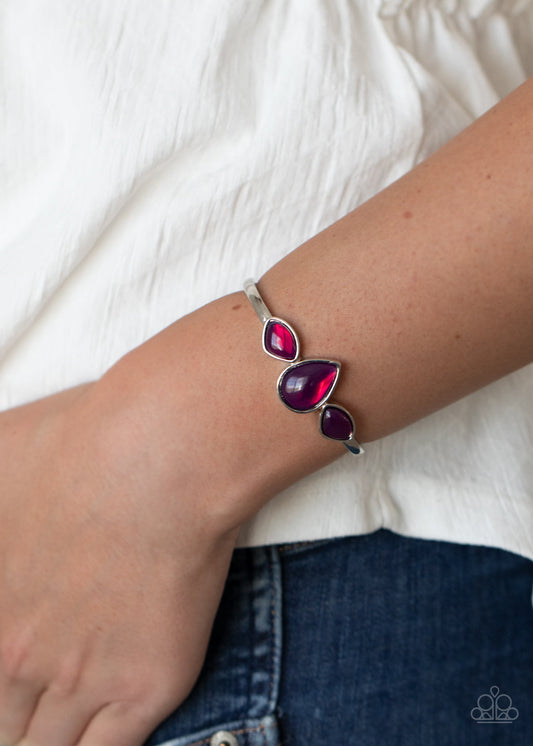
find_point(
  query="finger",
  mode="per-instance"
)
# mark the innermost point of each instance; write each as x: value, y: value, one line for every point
x: 122, y: 724
x: 59, y: 718
x: 18, y: 701
x: 19, y: 698
x: 20, y: 682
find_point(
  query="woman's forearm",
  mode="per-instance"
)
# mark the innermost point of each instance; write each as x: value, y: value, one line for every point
x: 426, y: 291
x: 424, y: 294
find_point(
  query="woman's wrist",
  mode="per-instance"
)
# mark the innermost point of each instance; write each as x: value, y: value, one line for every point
x: 201, y: 394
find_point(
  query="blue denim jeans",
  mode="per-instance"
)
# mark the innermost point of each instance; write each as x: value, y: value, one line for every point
x: 375, y: 640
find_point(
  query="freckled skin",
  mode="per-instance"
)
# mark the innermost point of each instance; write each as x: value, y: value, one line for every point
x: 353, y: 281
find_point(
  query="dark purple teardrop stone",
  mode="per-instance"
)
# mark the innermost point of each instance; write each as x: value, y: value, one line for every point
x: 336, y: 423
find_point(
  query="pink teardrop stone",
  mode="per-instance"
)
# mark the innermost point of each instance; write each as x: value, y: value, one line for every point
x: 279, y: 340
x: 306, y: 385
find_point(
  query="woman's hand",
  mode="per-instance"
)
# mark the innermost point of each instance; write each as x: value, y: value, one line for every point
x: 110, y: 574
x: 121, y: 503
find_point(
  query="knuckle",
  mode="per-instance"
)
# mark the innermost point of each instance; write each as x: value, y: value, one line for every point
x: 133, y: 715
x: 143, y: 697
x: 16, y: 653
x: 153, y: 707
x: 67, y: 678
x: 150, y: 697
x: 125, y: 691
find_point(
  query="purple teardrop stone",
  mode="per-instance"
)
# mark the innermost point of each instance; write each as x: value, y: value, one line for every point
x: 336, y: 423
x: 279, y: 340
x: 306, y: 385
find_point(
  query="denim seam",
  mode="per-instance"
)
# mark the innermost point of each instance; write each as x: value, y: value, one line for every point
x: 276, y: 612
x: 251, y: 634
x: 272, y: 629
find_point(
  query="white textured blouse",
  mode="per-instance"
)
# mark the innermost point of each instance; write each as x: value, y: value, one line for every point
x: 153, y: 155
